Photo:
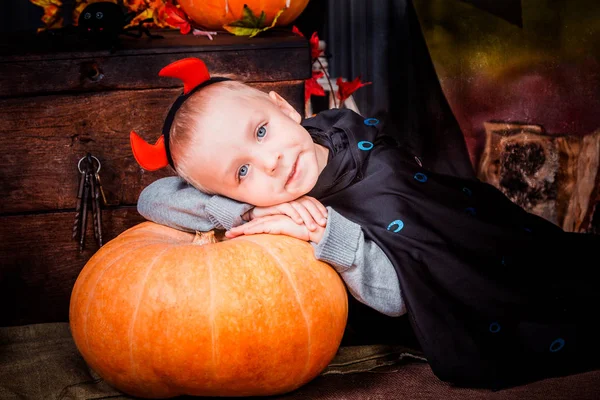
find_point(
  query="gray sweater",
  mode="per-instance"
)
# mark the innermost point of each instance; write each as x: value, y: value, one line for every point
x: 369, y: 275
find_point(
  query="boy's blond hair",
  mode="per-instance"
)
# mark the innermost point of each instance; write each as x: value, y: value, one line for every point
x: 187, y: 129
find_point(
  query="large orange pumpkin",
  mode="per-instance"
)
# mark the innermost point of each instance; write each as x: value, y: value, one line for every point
x: 158, y: 313
x: 213, y: 14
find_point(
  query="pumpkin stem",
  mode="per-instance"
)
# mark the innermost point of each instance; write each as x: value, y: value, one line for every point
x: 203, y: 238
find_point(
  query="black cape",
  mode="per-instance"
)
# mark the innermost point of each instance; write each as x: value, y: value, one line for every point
x: 495, y: 296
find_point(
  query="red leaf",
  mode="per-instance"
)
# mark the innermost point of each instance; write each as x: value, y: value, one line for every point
x: 185, y: 28
x: 345, y: 89
x: 296, y: 31
x: 314, y: 43
x: 314, y: 46
x: 312, y: 86
x: 177, y: 18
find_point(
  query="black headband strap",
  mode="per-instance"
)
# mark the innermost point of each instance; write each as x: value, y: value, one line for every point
x: 175, y: 107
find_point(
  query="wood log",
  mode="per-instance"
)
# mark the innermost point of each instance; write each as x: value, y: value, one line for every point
x: 586, y: 188
x: 554, y: 176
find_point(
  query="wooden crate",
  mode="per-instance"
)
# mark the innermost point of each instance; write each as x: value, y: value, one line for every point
x: 54, y: 110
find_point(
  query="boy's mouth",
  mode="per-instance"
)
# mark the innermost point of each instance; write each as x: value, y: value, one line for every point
x: 292, y: 174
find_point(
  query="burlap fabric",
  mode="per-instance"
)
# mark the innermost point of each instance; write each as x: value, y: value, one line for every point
x: 41, y: 362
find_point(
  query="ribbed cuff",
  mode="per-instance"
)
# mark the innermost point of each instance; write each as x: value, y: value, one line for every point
x: 225, y: 213
x: 339, y: 243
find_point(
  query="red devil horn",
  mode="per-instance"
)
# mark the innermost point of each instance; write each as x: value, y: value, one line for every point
x: 150, y: 156
x: 192, y: 71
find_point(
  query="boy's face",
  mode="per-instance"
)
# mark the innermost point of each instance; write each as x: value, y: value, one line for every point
x: 255, y: 151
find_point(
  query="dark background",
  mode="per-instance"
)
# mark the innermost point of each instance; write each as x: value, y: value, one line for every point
x: 530, y: 61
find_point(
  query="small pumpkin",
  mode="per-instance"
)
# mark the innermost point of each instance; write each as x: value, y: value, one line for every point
x: 159, y: 313
x: 214, y: 14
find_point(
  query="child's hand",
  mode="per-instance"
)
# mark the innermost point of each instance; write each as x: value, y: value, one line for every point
x: 304, y: 210
x: 277, y: 225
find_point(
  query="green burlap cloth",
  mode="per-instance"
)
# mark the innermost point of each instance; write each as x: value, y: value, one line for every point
x: 41, y: 362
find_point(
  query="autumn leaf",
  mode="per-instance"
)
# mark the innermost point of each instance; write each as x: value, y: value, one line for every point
x: 177, y: 19
x: 315, y: 52
x: 160, y: 15
x: 250, y: 25
x: 312, y: 86
x: 157, y: 13
x: 79, y: 6
x: 51, y: 17
x: 144, y: 15
x: 345, y: 89
x: 135, y: 5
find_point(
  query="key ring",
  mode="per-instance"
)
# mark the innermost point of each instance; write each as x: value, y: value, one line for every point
x: 83, y: 158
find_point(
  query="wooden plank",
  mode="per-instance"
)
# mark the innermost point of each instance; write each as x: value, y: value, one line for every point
x: 109, y: 72
x: 23, y: 46
x: 43, y: 138
x: 39, y: 262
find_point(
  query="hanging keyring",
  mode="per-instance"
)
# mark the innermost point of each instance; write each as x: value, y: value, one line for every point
x: 83, y: 158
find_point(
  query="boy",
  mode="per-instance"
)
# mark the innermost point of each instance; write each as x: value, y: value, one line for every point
x: 495, y: 296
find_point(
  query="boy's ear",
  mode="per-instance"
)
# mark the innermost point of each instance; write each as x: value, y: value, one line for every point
x: 285, y: 107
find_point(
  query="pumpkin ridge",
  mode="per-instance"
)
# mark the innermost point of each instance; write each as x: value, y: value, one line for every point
x: 210, y: 260
x: 279, y: 262
x: 137, y: 307
x: 93, y: 289
x: 213, y: 329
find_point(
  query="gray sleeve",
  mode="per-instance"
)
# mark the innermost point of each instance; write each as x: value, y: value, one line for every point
x: 364, y: 267
x: 173, y: 202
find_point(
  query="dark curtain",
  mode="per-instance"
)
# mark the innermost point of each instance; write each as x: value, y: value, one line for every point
x: 357, y: 35
x: 382, y: 41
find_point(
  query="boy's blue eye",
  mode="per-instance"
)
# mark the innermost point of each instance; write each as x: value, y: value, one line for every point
x: 243, y: 171
x: 262, y: 131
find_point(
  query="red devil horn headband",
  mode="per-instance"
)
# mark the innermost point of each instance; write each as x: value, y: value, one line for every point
x: 195, y: 76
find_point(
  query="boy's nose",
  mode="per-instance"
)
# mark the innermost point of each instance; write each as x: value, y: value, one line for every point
x: 271, y: 162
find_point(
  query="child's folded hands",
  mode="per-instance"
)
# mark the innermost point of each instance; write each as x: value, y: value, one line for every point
x: 304, y: 210
x: 277, y: 225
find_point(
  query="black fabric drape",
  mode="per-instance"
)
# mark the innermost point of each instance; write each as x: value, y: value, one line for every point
x: 382, y: 40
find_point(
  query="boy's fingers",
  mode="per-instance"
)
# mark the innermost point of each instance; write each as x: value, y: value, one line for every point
x: 319, y: 206
x: 279, y: 209
x: 316, y: 212
x: 231, y: 235
x: 312, y: 209
x: 291, y: 211
x: 307, y: 217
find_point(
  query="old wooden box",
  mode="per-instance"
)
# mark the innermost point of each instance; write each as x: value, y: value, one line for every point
x: 59, y: 100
